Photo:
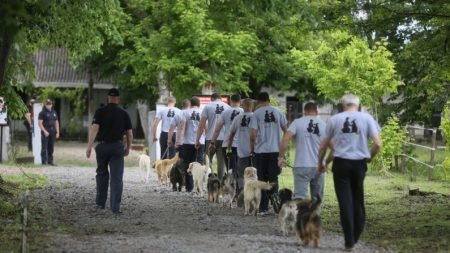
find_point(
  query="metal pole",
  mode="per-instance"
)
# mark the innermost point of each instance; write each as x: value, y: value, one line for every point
x: 1, y: 144
x: 433, y: 151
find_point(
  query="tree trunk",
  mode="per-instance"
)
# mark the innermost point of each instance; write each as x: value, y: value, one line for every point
x: 4, y: 54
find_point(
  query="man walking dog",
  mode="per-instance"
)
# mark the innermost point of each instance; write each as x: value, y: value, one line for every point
x: 109, y: 126
x: 350, y: 131
x: 166, y: 116
x: 175, y: 124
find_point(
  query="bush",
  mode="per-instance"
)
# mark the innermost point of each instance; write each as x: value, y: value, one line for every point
x: 444, y: 171
x: 392, y: 136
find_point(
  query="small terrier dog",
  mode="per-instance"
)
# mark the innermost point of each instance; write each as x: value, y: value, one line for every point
x: 214, y: 188
x: 308, y: 224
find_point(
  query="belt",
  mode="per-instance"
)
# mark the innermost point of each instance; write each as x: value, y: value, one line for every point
x: 108, y: 142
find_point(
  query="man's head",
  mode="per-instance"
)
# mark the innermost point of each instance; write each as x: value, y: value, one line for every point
x: 216, y: 96
x: 350, y: 102
x: 195, y: 102
x: 310, y: 109
x: 263, y: 97
x: 235, y: 100
x: 48, y: 104
x: 248, y: 104
x: 186, y: 104
x: 113, y: 96
x: 171, y: 101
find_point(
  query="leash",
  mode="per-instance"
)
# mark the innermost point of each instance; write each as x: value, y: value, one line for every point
x: 167, y: 149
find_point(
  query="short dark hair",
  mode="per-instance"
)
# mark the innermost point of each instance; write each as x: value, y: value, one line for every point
x: 215, y: 96
x: 263, y: 97
x: 310, y: 107
x: 195, y: 101
x: 236, y: 98
x: 186, y: 103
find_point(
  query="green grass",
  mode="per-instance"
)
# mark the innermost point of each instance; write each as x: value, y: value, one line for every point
x: 394, y: 219
x: 11, y: 192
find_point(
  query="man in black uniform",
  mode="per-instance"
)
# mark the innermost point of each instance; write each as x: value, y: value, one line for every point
x: 109, y: 125
x: 49, y: 125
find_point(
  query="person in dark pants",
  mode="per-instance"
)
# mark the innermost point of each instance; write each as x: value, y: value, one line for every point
x: 188, y: 132
x: 49, y: 125
x: 174, y: 125
x: 109, y: 125
x: 29, y: 124
x: 166, y: 116
x: 349, y: 146
x: 266, y: 126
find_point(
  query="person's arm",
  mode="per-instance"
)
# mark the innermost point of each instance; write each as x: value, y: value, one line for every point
x: 180, y: 133
x: 216, y: 133
x: 252, y: 140
x: 376, y: 147
x: 231, y: 138
x: 322, y: 151
x: 129, y: 141
x: 93, y: 131
x: 28, y: 117
x: 154, y: 127
x: 200, y: 130
x: 169, y: 135
x: 57, y: 129
x: 283, y: 148
x: 41, y: 126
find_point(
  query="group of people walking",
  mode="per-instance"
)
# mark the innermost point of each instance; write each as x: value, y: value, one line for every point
x: 245, y: 134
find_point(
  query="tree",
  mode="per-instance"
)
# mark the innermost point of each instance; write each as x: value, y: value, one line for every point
x: 340, y: 63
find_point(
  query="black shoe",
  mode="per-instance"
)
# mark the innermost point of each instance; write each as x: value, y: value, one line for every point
x: 52, y: 164
x: 117, y: 212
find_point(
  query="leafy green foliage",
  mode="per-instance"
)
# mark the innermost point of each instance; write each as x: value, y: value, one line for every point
x: 340, y: 63
x: 444, y: 172
x: 392, y: 137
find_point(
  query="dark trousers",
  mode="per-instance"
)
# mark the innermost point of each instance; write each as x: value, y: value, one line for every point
x: 29, y: 137
x: 231, y: 162
x: 267, y: 170
x: 111, y: 154
x: 163, y: 138
x: 48, y: 144
x: 348, y: 178
x: 220, y: 157
x: 191, y: 154
x: 243, y: 162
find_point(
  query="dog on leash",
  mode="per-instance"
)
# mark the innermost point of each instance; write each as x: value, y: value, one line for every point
x: 163, y: 168
x: 214, y: 188
x: 145, y: 164
x: 177, y: 175
x: 287, y: 216
x: 309, y: 224
x: 229, y: 186
x: 252, y: 191
x: 199, y: 174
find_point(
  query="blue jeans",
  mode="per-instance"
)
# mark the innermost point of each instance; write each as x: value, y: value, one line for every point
x: 305, y: 177
x: 111, y: 154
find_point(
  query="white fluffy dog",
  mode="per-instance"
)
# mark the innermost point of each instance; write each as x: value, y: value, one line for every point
x: 252, y: 190
x: 199, y: 174
x: 144, y: 164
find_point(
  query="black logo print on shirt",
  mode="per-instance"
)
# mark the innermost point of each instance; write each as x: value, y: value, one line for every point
x: 245, y: 121
x: 269, y: 117
x: 349, y: 127
x: 234, y: 114
x: 195, y: 116
x: 219, y: 109
x: 170, y: 113
x: 313, y: 128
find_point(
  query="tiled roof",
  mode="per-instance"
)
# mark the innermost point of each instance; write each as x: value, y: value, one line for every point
x: 54, y: 69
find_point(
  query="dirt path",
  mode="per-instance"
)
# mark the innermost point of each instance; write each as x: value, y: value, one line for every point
x: 155, y: 219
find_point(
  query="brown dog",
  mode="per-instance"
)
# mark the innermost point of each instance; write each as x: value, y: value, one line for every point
x: 308, y: 224
x: 163, y: 167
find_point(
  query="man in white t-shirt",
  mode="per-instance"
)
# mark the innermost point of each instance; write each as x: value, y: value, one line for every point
x: 240, y: 130
x: 188, y: 132
x: 308, y: 132
x: 350, y: 132
x: 210, y: 115
x: 267, y: 124
x: 223, y: 124
x: 165, y: 116
x: 174, y: 125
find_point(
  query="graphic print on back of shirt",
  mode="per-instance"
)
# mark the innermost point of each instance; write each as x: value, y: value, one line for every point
x: 195, y: 116
x: 170, y: 113
x: 234, y: 114
x: 219, y: 109
x: 349, y: 127
x: 313, y: 128
x: 269, y: 117
x: 245, y: 121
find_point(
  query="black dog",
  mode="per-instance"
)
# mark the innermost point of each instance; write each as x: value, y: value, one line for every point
x: 177, y: 175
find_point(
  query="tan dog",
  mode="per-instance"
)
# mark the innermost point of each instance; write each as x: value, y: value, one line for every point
x: 163, y: 167
x: 252, y: 190
x: 199, y: 174
x: 144, y: 164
